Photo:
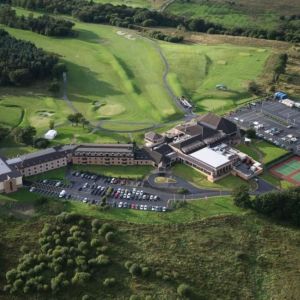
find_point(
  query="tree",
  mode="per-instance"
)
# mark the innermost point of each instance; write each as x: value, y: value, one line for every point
x: 58, y: 70
x: 81, y: 278
x: 254, y: 88
x: 184, y: 290
x: 28, y: 134
x: 3, y: 133
x: 110, y: 236
x: 54, y: 87
x: 41, y: 143
x: 241, y: 196
x: 135, y: 270
x: 251, y: 133
x: 51, y: 124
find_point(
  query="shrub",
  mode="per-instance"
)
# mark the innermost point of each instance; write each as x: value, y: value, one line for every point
x: 81, y: 278
x: 159, y: 274
x: 109, y: 281
x: 184, y: 290
x: 109, y: 237
x: 104, y: 229
x: 135, y: 270
x: 134, y: 297
x: 95, y: 242
x: 96, y: 224
x: 128, y: 264
x: 145, y: 271
x: 86, y: 297
x: 103, y: 260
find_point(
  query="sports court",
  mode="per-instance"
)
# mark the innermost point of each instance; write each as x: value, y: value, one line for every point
x: 288, y: 170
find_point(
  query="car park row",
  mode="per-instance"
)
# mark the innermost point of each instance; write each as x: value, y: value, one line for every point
x: 94, y: 189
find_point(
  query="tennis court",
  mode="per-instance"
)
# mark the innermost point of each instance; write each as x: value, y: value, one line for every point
x: 288, y: 170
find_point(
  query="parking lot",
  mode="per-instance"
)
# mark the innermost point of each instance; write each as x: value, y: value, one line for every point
x: 94, y: 189
x: 273, y: 122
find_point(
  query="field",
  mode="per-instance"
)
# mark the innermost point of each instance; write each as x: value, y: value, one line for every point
x: 115, y: 76
x: 195, y: 70
x: 215, y: 247
x: 288, y: 170
x: 250, y: 14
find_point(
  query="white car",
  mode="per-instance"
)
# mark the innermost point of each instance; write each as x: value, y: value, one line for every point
x: 85, y: 200
x: 145, y: 207
x: 62, y: 194
x: 164, y: 209
x: 32, y: 189
x: 142, y: 207
x: 120, y: 205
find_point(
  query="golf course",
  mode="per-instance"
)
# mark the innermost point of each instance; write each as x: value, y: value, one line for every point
x: 116, y: 79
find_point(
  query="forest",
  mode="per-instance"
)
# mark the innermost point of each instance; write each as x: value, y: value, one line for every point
x: 22, y: 62
x: 45, y: 25
x: 124, y: 16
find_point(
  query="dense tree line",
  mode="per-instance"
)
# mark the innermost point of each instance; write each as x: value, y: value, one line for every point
x: 124, y: 16
x: 45, y: 25
x: 281, y: 205
x: 22, y: 62
x: 165, y: 37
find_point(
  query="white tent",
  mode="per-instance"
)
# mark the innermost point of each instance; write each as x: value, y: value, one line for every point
x: 51, y: 134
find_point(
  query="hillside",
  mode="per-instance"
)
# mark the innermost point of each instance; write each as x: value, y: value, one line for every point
x: 236, y: 256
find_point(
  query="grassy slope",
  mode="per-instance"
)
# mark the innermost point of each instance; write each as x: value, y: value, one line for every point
x: 237, y: 256
x: 109, y: 68
x: 195, y: 70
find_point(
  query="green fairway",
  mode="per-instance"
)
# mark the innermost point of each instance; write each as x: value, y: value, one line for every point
x: 195, y: 70
x: 10, y: 115
x: 113, y: 67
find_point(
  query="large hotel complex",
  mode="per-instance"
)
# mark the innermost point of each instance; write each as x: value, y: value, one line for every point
x: 205, y: 143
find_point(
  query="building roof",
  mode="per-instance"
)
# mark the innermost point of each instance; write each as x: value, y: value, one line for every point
x: 41, y: 156
x: 50, y: 134
x: 210, y: 157
x: 6, y: 170
x: 217, y: 123
x: 105, y: 148
x: 152, y: 136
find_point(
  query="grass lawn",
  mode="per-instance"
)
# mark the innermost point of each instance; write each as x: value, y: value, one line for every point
x: 134, y: 172
x: 161, y: 179
x: 196, y: 178
x: 59, y: 174
x: 195, y: 210
x: 269, y: 151
x: 195, y: 70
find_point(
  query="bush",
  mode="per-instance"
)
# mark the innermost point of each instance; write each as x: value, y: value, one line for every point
x: 104, y: 229
x: 86, y: 297
x: 184, y: 290
x: 81, y: 278
x: 134, y: 297
x: 145, y: 271
x: 110, y: 236
x: 135, y: 270
x: 128, y: 264
x: 109, y: 281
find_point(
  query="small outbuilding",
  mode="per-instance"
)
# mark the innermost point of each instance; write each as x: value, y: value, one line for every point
x: 50, y: 134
